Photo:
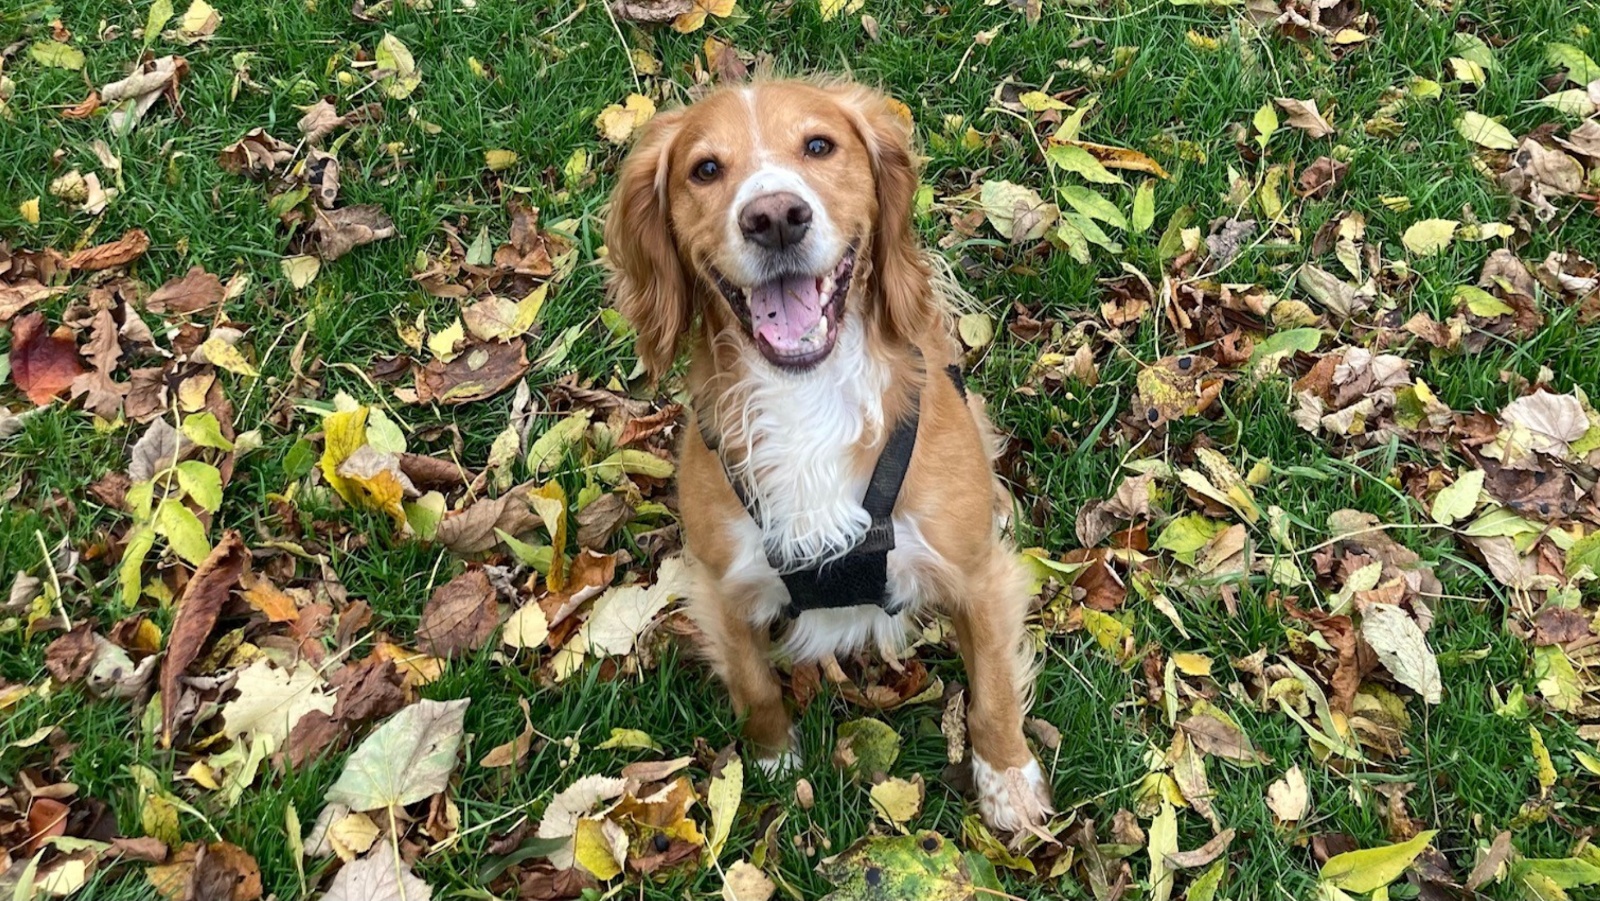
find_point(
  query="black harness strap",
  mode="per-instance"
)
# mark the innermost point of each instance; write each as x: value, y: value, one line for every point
x: 860, y: 576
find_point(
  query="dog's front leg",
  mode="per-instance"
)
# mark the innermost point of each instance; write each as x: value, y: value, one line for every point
x: 1013, y: 793
x: 741, y: 655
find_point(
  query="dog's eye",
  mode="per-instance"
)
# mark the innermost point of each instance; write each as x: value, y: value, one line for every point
x: 819, y: 147
x: 707, y: 171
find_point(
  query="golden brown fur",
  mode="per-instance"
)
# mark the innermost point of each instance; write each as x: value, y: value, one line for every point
x: 668, y: 236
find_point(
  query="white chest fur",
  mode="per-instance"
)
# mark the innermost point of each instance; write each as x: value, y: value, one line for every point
x: 795, y: 436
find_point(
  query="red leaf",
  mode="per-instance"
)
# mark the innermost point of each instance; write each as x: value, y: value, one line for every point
x: 42, y: 365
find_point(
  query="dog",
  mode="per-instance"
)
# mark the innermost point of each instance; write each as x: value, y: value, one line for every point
x: 838, y: 482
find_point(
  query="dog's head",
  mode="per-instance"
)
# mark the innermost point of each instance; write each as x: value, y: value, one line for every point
x: 786, y: 202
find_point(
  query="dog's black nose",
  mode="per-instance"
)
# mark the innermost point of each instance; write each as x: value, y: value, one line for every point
x: 775, y: 221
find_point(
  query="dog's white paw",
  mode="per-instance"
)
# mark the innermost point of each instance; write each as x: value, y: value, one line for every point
x: 779, y: 765
x: 1014, y: 799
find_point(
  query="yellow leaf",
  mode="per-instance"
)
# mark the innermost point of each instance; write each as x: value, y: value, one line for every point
x: 342, y: 435
x: 1373, y: 868
x: 56, y: 55
x: 723, y: 798
x: 1485, y: 132
x: 418, y: 668
x: 976, y: 329
x: 526, y: 628
x: 832, y: 9
x: 1106, y: 629
x: 897, y: 800
x: 394, y: 57
x: 300, y: 270
x: 633, y: 739
x: 30, y: 211
x: 550, y: 502
x: 1541, y: 757
x: 594, y: 846
x: 225, y: 356
x: 1429, y: 236
x: 442, y: 344
x: 1192, y: 664
x: 352, y: 836
x: 617, y: 122
x: 500, y: 160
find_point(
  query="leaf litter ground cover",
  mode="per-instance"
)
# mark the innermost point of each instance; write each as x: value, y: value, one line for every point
x: 339, y: 536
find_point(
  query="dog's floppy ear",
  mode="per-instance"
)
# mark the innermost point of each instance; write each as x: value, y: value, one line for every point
x: 900, y: 276
x: 648, y: 281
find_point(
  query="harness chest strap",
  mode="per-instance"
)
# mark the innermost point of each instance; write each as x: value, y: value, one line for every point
x: 860, y: 576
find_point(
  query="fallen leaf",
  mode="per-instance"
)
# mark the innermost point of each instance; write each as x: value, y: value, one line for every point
x: 1457, y: 500
x: 866, y: 747
x: 196, y: 291
x: 399, y: 74
x: 744, y: 882
x: 42, y: 365
x: 1303, y: 115
x: 137, y: 94
x: 1429, y: 236
x: 56, y: 55
x: 723, y: 797
x: 199, y: 23
x: 380, y: 876
x: 1373, y: 868
x: 898, y: 800
x: 1289, y: 797
x: 1485, y: 132
x: 1402, y: 650
x: 195, y: 616
x: 271, y: 700
x: 923, y: 866
x: 618, y: 121
x: 120, y: 252
x: 460, y: 617
x: 335, y: 233
x: 1018, y: 213
x: 405, y: 760
x: 478, y: 373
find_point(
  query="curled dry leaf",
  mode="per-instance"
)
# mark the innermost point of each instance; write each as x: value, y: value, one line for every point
x: 137, y: 93
x: 1303, y: 115
x: 120, y: 252
x: 194, y: 292
x: 255, y: 153
x: 650, y: 11
x: 335, y: 233
x: 196, y: 616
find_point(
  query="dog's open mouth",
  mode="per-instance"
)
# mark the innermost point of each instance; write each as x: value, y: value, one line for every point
x: 794, y: 320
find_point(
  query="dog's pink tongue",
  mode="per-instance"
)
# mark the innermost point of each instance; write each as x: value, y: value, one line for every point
x: 785, y: 314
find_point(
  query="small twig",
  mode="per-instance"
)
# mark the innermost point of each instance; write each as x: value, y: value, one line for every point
x: 627, y: 53
x: 55, y: 580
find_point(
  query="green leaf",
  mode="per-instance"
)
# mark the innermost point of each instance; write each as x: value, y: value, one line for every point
x: 633, y: 462
x: 183, y: 531
x: 1172, y: 238
x: 866, y: 747
x: 160, y: 13
x: 1185, y: 535
x: 1094, y: 233
x: 1266, y: 122
x: 1144, y: 206
x: 299, y: 459
x: 204, y: 430
x: 1287, y: 342
x: 925, y: 867
x: 1093, y: 205
x: 1585, y: 552
x: 549, y: 448
x: 1429, y: 236
x: 407, y: 759
x: 1373, y: 868
x: 1566, y: 872
x: 629, y: 739
x: 537, y: 556
x: 1075, y: 159
x: 202, y: 482
x: 1457, y: 500
x: 1163, y: 843
x: 1205, y: 886
x: 1069, y: 236
x: 56, y: 55
x: 140, y: 540
x: 1556, y: 679
x: 1485, y: 132
x: 1469, y: 46
x: 976, y: 329
x: 727, y: 788
x: 1481, y: 302
x: 394, y: 56
x: 1580, y: 68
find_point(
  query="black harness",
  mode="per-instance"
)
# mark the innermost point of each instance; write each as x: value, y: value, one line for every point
x: 860, y: 576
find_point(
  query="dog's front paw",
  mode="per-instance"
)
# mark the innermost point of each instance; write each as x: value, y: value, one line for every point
x: 1014, y: 799
x: 777, y: 766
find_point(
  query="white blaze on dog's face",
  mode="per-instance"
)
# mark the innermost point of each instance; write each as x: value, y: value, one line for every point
x: 768, y: 196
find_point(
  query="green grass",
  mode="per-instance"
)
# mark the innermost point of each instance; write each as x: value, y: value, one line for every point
x: 554, y: 67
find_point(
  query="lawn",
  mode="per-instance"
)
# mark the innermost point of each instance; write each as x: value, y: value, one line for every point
x: 1305, y: 457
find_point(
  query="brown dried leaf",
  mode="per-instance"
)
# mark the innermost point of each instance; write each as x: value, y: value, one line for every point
x: 257, y: 152
x: 196, y: 291
x: 120, y: 252
x: 477, y: 373
x: 196, y: 616
x: 1303, y: 115
x: 69, y: 657
x: 653, y: 11
x: 460, y: 617
x: 335, y: 233
x: 42, y: 365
